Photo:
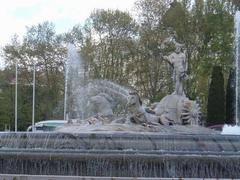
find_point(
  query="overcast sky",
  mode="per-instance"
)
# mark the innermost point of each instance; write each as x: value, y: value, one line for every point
x: 15, y: 15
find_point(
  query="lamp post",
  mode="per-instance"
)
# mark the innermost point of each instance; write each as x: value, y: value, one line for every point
x: 33, y: 100
x: 65, y: 91
x: 16, y: 85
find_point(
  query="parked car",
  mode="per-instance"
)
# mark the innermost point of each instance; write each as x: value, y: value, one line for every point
x: 48, y: 125
x: 217, y: 127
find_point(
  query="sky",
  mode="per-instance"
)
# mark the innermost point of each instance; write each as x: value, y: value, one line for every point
x: 15, y: 15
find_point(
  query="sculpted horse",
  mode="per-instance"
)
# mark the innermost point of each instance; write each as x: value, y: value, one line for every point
x: 100, y: 104
x: 137, y: 114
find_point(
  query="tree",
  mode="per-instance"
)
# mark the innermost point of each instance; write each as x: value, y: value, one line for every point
x: 179, y: 25
x: 216, y: 98
x: 114, y: 32
x: 206, y: 28
x: 74, y: 36
x: 152, y: 76
x: 7, y: 99
x: 40, y: 44
x: 230, y: 98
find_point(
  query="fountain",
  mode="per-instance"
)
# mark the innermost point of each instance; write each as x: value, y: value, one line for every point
x: 111, y: 134
x: 230, y: 129
x: 237, y: 57
x: 75, y: 79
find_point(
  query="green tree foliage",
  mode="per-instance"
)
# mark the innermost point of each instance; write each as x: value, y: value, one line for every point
x: 40, y: 45
x: 235, y: 4
x: 216, y: 45
x: 74, y: 36
x: 206, y: 28
x: 114, y: 32
x: 230, y: 98
x: 181, y: 24
x: 7, y: 100
x: 149, y: 62
x: 216, y: 98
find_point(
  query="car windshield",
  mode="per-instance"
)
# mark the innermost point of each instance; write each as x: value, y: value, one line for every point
x: 46, y: 128
x: 53, y: 124
x: 47, y: 125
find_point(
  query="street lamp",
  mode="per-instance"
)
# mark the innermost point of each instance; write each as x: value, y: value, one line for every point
x: 65, y: 91
x: 16, y: 85
x: 33, y: 100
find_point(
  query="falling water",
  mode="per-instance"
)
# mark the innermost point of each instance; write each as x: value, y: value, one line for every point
x: 65, y: 90
x: 79, y: 88
x: 120, y: 154
x: 117, y: 96
x: 237, y: 59
x: 75, y: 78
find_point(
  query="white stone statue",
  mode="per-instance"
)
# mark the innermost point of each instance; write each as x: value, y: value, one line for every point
x: 178, y: 61
x: 100, y: 104
x: 138, y: 114
x: 176, y: 109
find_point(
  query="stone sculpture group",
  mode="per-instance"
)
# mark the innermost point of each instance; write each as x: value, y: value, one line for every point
x: 173, y: 109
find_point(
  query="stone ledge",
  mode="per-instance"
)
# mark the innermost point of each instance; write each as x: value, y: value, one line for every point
x: 48, y: 177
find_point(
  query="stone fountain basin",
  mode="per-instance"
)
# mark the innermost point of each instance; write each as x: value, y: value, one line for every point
x: 121, y: 154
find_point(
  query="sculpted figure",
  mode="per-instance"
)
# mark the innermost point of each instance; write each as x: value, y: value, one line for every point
x: 174, y: 109
x: 100, y: 104
x: 178, y: 61
x: 138, y: 114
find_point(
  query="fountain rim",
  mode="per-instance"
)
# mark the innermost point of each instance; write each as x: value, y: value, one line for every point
x: 125, y: 134
x: 51, y: 153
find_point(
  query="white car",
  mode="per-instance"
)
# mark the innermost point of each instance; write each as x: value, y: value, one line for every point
x: 48, y: 125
